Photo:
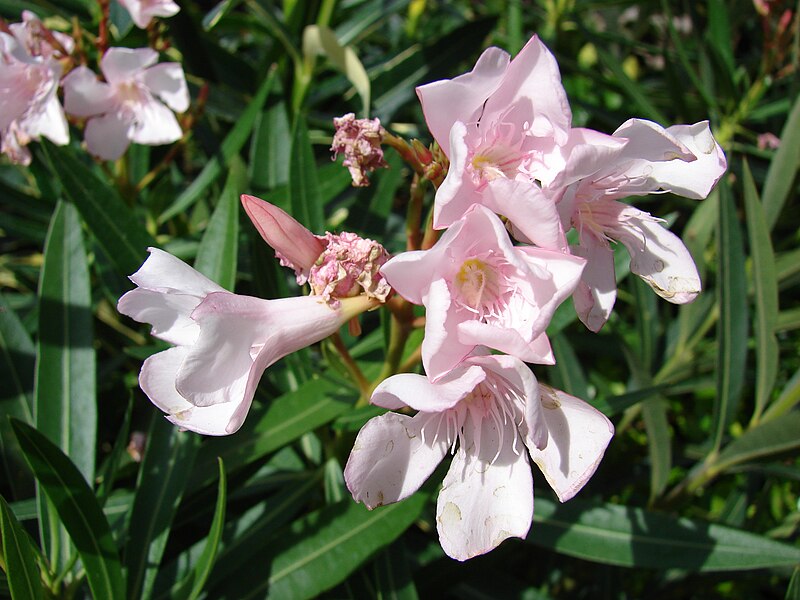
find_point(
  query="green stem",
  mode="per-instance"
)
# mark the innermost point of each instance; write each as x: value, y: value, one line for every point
x: 363, y: 383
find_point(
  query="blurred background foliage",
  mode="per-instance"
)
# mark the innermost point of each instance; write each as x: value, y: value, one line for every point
x: 698, y: 494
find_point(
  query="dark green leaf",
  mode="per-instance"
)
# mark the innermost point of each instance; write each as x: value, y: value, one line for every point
x: 110, y: 220
x: 633, y: 537
x: 773, y: 437
x: 766, y: 294
x: 19, y: 557
x: 230, y: 146
x: 783, y: 168
x: 162, y: 478
x: 269, y: 161
x: 218, y: 252
x: 66, y: 409
x: 732, y: 327
x: 78, y: 510
x: 304, y: 196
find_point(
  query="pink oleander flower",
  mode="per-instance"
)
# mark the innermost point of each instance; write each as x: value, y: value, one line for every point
x: 334, y: 265
x: 132, y: 106
x: 360, y: 142
x: 480, y: 290
x: 223, y: 342
x: 682, y: 159
x: 143, y: 11
x: 498, y: 125
x: 493, y: 410
x: 29, y: 75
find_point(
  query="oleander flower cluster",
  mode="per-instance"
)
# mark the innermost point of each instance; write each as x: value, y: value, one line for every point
x: 135, y: 100
x: 519, y: 177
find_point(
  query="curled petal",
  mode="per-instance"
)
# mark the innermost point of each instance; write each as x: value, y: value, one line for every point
x: 579, y: 435
x: 119, y: 65
x: 486, y: 497
x: 166, y: 273
x: 696, y: 179
x: 390, y: 459
x: 660, y: 258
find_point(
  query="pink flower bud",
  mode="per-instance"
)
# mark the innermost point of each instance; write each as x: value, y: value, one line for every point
x: 295, y: 246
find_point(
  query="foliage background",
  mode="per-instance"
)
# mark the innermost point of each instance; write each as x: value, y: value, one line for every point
x: 698, y: 493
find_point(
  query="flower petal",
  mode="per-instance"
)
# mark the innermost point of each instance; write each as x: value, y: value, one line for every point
x: 167, y: 313
x: 418, y: 392
x: 157, y: 380
x: 696, y: 179
x: 532, y: 84
x: 164, y: 272
x: 597, y: 291
x: 484, y: 499
x: 168, y: 82
x: 579, y: 435
x: 84, y: 95
x: 155, y: 124
x: 457, y: 192
x: 460, y: 99
x: 119, y: 65
x: 107, y: 136
x: 390, y: 460
x: 660, y: 258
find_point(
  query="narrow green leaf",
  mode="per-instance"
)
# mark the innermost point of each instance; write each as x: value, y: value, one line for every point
x: 214, y: 16
x: 659, y: 447
x: 392, y: 571
x: 321, y: 41
x: 163, y: 475
x: 256, y: 538
x: 17, y: 368
x: 788, y: 320
x: 20, y: 559
x: 719, y: 30
x: 116, y: 228
x: 193, y: 585
x: 64, y: 387
x: 314, y: 403
x: 567, y: 374
x: 230, y: 146
x: 783, y: 168
x: 78, y: 510
x: 304, y: 196
x: 107, y: 473
x: 632, y: 537
x: 766, y: 294
x: 789, y: 397
x: 324, y: 547
x: 767, y: 439
x: 793, y: 591
x: 732, y: 326
x: 218, y: 252
x: 269, y: 161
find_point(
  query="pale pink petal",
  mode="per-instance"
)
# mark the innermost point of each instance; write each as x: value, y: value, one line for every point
x: 107, y: 136
x: 157, y: 380
x: 472, y: 333
x: 240, y: 336
x: 155, y: 124
x: 461, y: 98
x: 486, y: 496
x: 168, y: 313
x: 85, y: 95
x: 402, y: 272
x: 441, y: 348
x: 390, y: 459
x: 143, y: 11
x: 660, y: 258
x: 168, y: 82
x: 585, y: 153
x: 529, y: 210
x: 418, y: 392
x: 651, y: 142
x: 49, y: 122
x: 579, y: 435
x: 695, y: 179
x: 516, y: 374
x: 457, y: 192
x: 164, y: 272
x: 120, y: 65
x: 596, y: 293
x: 532, y: 84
